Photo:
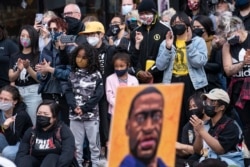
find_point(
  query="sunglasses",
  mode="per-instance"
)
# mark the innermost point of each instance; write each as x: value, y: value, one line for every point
x: 53, y: 29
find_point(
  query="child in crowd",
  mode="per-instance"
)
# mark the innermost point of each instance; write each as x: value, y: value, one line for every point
x: 87, y: 87
x: 121, y: 77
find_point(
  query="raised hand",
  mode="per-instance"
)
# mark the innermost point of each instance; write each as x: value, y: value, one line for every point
x: 26, y: 63
x: 138, y: 39
x: 20, y: 64
x: 169, y: 39
x: 43, y: 67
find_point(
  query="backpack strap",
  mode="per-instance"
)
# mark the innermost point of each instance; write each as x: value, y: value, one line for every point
x: 32, y: 138
x: 221, y: 127
x: 58, y: 133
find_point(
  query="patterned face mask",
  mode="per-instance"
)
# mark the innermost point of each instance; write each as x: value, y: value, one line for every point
x: 25, y: 42
x: 55, y: 35
x: 147, y: 19
x: 193, y: 5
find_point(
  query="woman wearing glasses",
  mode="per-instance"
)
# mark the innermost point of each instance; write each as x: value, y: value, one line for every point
x: 53, y: 69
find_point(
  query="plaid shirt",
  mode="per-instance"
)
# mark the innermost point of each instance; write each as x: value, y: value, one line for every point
x: 244, y: 92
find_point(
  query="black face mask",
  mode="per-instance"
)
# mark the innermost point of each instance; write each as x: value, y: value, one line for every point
x: 74, y: 25
x: 115, y: 29
x: 42, y: 121
x: 196, y: 112
x: 233, y: 41
x: 209, y: 111
x: 132, y: 25
x: 179, y: 29
x: 198, y: 31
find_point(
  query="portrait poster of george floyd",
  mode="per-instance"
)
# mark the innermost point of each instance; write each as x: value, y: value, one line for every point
x: 144, y: 126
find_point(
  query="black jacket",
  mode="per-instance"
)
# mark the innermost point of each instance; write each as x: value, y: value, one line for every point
x: 149, y: 47
x: 46, y: 142
x: 105, y: 56
x: 213, y: 68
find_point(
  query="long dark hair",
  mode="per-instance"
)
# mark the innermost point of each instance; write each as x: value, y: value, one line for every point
x: 33, y: 38
x: 206, y: 22
x: 33, y: 34
x: 90, y: 53
x: 197, y: 100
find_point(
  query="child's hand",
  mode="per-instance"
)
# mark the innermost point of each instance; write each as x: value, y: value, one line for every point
x: 78, y: 110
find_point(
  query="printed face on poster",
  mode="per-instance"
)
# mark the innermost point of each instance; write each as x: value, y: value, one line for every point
x: 162, y: 5
x: 144, y: 125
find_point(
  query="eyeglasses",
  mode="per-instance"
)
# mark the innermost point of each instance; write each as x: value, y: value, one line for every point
x: 68, y: 14
x: 53, y: 29
x: 155, y: 115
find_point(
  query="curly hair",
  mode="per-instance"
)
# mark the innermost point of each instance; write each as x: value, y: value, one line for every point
x: 59, y: 22
x: 92, y: 57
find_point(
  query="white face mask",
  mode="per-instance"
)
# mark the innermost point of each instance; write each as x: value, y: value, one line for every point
x: 126, y: 9
x: 93, y: 40
x: 5, y: 106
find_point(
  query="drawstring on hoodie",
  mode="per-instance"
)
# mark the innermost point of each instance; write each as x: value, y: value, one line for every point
x: 14, y: 124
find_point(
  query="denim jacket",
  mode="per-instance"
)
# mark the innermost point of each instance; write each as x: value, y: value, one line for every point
x: 59, y: 60
x: 196, y: 60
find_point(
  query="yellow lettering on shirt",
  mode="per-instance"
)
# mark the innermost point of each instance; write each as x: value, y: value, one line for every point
x: 180, y: 62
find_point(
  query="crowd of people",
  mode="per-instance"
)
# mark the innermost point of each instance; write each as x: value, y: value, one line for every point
x: 57, y: 98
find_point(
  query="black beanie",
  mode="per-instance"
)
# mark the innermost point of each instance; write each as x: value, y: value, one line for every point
x: 241, y: 3
x: 147, y: 5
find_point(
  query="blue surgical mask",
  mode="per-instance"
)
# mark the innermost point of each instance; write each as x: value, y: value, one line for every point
x: 5, y: 106
x: 126, y: 9
x: 120, y: 73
